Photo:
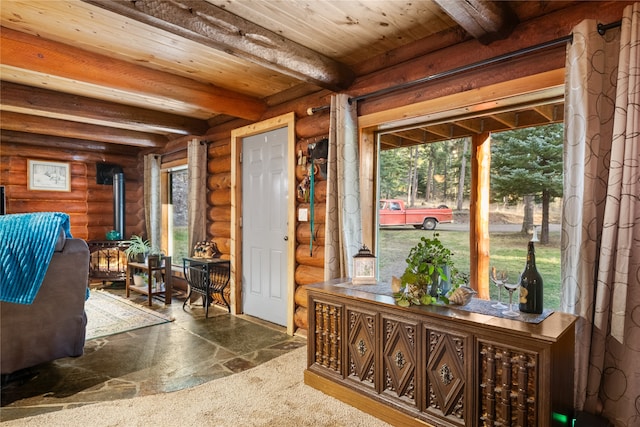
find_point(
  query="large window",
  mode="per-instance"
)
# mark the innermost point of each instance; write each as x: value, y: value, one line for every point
x: 525, y: 192
x: 176, y: 212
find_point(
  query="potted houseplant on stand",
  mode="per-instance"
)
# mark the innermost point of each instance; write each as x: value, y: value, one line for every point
x: 141, y: 251
x: 138, y: 249
x: 430, y: 276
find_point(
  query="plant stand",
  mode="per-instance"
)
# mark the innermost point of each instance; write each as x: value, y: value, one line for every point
x: 164, y: 268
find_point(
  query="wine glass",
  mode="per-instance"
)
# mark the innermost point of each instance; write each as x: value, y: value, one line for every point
x: 511, y: 287
x: 499, y: 280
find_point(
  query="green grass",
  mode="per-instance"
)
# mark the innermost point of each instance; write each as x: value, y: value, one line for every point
x: 508, y: 251
x: 180, y: 249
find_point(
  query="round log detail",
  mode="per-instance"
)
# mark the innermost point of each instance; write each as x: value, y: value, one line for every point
x: 320, y: 192
x: 306, y: 275
x: 220, y: 148
x: 311, y: 126
x: 219, y: 164
x: 315, y: 258
x: 219, y: 181
x: 300, y: 296
x: 219, y: 228
x: 300, y: 318
x: 219, y: 198
x: 219, y: 213
x: 303, y: 234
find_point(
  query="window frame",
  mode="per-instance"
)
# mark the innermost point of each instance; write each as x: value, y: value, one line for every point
x: 513, y: 93
x: 165, y: 187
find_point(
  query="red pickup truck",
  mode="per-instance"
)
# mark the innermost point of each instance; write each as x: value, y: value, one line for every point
x: 394, y: 212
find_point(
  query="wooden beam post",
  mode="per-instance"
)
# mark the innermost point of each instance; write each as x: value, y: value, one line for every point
x: 479, y: 219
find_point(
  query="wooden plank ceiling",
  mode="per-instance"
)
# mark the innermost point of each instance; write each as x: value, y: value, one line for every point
x: 106, y: 74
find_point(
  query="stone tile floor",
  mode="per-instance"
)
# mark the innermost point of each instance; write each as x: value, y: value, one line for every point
x: 189, y: 351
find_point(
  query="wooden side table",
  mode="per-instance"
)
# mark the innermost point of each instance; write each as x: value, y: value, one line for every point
x: 152, y: 287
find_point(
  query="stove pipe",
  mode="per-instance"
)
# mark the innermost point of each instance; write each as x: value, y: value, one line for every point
x: 118, y: 203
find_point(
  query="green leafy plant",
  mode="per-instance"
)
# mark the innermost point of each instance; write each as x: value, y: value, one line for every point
x: 429, y: 264
x: 137, y: 247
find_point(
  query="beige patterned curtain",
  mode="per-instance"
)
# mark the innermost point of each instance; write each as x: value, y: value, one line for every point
x: 601, y: 216
x: 152, y: 202
x: 343, y: 236
x: 197, y: 197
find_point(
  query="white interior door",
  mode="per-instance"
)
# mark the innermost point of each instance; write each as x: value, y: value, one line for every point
x: 264, y: 225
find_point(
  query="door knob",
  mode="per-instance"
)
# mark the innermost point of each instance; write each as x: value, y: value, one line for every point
x: 286, y: 238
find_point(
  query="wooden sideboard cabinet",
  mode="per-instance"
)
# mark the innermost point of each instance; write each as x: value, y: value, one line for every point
x: 436, y: 365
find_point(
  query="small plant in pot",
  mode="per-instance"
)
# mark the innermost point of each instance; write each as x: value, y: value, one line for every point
x: 140, y: 279
x: 428, y: 275
x: 138, y: 249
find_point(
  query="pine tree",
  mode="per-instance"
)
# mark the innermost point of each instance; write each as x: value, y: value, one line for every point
x: 528, y: 162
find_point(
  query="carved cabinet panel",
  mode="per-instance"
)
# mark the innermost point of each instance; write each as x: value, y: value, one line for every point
x: 328, y: 333
x: 448, y: 365
x: 400, y: 359
x: 508, y: 378
x: 361, y: 341
x: 436, y: 365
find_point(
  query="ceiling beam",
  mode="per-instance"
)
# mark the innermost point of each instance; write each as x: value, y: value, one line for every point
x: 68, y: 129
x: 442, y: 130
x: 485, y: 20
x: 62, y: 143
x: 43, y: 102
x: 27, y: 52
x: 215, y: 27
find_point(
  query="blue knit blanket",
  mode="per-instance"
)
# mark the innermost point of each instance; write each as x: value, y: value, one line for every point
x: 27, y: 242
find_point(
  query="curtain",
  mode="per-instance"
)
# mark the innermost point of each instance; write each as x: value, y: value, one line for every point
x: 152, y: 202
x: 601, y: 216
x: 343, y: 236
x: 197, y: 196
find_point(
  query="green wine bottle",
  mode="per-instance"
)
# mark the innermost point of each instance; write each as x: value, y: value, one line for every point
x: 531, y: 285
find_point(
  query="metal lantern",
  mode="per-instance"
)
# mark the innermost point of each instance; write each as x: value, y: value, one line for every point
x: 364, y: 267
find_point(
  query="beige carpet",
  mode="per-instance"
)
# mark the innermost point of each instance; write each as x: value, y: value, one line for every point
x: 272, y: 394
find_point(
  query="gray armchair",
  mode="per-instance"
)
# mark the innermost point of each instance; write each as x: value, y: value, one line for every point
x: 54, y: 325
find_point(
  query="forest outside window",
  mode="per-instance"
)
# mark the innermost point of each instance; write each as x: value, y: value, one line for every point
x: 175, y: 218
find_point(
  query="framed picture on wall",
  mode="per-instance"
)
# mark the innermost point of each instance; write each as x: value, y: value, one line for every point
x: 48, y: 176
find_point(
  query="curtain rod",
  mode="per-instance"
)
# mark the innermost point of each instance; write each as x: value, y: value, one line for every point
x: 602, y: 29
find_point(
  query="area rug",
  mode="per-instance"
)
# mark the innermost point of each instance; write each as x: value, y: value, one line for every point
x: 271, y: 394
x: 109, y: 314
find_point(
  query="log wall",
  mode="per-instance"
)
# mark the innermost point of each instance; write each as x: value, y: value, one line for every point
x: 89, y: 205
x: 407, y: 67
